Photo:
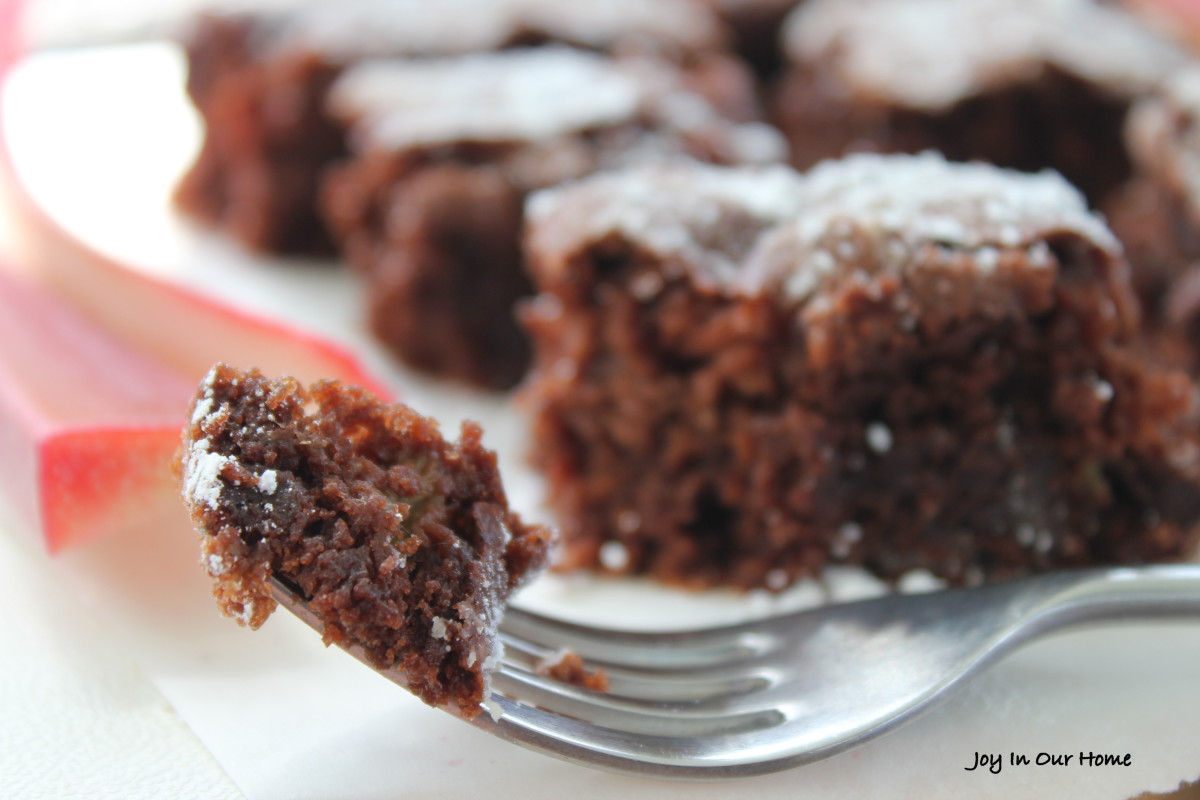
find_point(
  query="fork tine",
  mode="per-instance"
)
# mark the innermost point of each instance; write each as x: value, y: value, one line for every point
x: 689, y: 684
x: 676, y: 685
x: 714, y: 717
x: 673, y: 650
x: 660, y: 755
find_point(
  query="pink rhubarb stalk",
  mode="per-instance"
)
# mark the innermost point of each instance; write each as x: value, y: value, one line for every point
x: 98, y: 362
x: 88, y: 426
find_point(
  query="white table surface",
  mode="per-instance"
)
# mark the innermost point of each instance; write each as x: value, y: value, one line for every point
x: 78, y: 717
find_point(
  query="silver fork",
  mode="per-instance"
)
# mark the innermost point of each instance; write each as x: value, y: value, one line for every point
x: 771, y: 694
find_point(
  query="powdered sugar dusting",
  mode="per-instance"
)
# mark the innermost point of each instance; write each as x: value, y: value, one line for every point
x: 418, y: 28
x: 371, y: 28
x: 669, y: 209
x: 246, y: 615
x: 798, y: 230
x: 205, y: 471
x: 539, y: 98
x: 663, y: 25
x: 515, y: 95
x: 216, y: 564
x: 268, y: 481
x: 204, y: 403
x: 903, y: 202
x: 202, y: 484
x: 930, y: 54
x: 203, y: 407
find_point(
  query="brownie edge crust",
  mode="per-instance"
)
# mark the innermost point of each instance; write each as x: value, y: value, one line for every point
x: 402, y: 542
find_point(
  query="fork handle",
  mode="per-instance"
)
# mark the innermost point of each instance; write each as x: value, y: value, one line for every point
x: 1132, y: 593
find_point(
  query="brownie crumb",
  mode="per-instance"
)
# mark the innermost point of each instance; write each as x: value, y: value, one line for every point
x: 567, y: 666
x: 401, y: 543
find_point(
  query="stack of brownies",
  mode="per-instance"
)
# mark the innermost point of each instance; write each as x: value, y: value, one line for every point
x: 928, y: 350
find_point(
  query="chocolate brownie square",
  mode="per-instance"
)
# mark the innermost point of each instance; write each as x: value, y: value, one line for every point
x: 1029, y: 85
x: 744, y: 375
x: 429, y: 208
x: 259, y: 81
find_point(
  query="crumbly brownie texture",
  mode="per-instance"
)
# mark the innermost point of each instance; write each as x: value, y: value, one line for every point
x: 1157, y: 216
x: 743, y: 376
x: 1026, y: 85
x: 259, y: 82
x: 429, y: 209
x: 402, y: 543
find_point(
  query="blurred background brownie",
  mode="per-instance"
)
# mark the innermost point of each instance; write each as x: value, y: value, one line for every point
x: 259, y: 81
x: 756, y: 26
x: 742, y: 376
x: 1028, y: 85
x: 1158, y: 215
x: 429, y: 207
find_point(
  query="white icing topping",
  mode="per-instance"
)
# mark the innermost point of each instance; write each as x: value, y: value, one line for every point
x: 600, y: 25
x: 666, y: 208
x: 916, y: 200
x: 540, y: 98
x: 930, y: 54
x: 924, y: 197
x: 498, y: 97
x: 352, y: 29
x: 799, y: 230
